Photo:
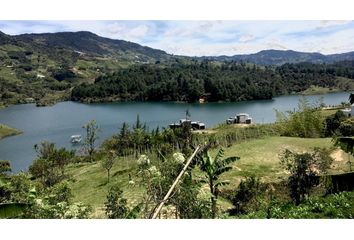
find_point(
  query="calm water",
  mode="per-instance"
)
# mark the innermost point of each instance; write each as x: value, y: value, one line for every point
x: 57, y: 123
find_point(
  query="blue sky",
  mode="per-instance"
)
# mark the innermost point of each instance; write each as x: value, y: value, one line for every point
x: 198, y: 38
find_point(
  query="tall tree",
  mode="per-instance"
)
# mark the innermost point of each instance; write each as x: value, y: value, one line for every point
x: 108, y: 162
x: 92, y: 130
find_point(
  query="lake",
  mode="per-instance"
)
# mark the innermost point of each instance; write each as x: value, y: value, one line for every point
x: 57, y: 123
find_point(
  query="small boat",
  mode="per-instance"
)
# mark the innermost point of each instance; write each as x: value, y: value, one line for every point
x: 76, y: 139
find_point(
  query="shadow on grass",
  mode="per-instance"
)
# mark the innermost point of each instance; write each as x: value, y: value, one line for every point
x: 121, y: 172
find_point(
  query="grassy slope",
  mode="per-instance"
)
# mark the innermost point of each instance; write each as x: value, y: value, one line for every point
x: 6, y: 131
x: 258, y: 157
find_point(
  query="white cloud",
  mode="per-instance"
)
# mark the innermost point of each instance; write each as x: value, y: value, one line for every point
x: 246, y: 38
x: 197, y: 38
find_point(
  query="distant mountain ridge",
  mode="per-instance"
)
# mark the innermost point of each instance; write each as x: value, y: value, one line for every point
x: 279, y: 57
x: 87, y: 42
x: 90, y: 43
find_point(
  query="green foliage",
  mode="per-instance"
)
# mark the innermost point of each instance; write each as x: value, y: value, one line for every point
x: 92, y: 131
x: 213, y: 169
x: 306, y: 121
x: 246, y: 196
x: 331, y: 206
x: 116, y: 204
x: 332, y: 123
x: 12, y: 210
x: 346, y: 127
x: 303, y: 167
x: 5, y: 167
x: 49, y: 167
x: 107, y: 163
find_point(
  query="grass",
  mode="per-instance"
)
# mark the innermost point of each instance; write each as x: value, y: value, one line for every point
x: 90, y: 184
x: 6, y: 131
x: 259, y: 157
x: 319, y: 90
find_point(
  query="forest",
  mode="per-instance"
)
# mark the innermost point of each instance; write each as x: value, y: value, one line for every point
x: 212, y: 81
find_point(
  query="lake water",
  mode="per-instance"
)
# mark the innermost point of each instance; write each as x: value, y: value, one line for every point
x: 57, y: 123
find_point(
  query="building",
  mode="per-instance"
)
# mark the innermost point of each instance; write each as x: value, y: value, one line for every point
x: 241, y: 118
x: 349, y: 112
x: 196, y: 125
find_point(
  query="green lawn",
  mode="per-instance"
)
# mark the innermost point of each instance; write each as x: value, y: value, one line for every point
x: 6, y: 131
x: 258, y: 157
x: 90, y: 183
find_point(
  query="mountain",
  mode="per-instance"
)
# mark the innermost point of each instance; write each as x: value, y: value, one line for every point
x: 279, y: 57
x: 89, y: 43
x: 46, y: 67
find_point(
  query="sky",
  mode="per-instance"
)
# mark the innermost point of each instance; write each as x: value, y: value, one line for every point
x: 209, y: 38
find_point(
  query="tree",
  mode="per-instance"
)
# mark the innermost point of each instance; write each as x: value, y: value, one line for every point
x: 303, y: 167
x: 50, y: 164
x: 5, y: 167
x: 247, y: 194
x: 116, y: 204
x: 351, y: 98
x: 107, y: 163
x: 188, y: 115
x: 214, y: 168
x: 305, y: 122
x: 347, y: 145
x: 92, y: 130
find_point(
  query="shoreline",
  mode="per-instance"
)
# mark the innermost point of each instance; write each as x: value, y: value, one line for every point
x: 182, y: 102
x: 6, y: 131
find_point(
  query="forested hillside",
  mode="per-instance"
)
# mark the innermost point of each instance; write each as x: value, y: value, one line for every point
x: 228, y: 81
x: 82, y: 66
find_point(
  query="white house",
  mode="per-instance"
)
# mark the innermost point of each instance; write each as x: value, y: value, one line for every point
x: 349, y: 112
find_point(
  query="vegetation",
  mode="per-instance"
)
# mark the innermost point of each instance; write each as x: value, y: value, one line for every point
x: 227, y: 81
x: 213, y: 168
x: 6, y: 131
x: 306, y: 121
x: 92, y: 130
x: 303, y: 167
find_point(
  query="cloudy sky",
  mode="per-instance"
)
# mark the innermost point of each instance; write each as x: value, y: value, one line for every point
x: 198, y: 38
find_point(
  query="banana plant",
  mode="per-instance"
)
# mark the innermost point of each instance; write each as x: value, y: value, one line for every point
x: 213, y: 169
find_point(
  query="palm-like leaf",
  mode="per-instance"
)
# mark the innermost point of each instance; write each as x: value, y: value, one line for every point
x: 12, y: 210
x: 220, y: 171
x: 225, y: 162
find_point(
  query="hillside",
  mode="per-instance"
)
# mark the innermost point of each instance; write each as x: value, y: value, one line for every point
x: 45, y: 68
x: 279, y: 57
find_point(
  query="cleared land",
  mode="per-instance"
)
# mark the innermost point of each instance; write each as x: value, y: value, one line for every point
x: 259, y: 157
x: 6, y: 131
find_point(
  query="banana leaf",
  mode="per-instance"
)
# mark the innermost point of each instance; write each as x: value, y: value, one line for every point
x: 12, y: 210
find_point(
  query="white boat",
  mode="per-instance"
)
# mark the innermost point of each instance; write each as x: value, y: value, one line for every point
x: 76, y: 138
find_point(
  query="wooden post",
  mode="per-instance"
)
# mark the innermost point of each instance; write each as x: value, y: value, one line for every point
x: 175, y: 182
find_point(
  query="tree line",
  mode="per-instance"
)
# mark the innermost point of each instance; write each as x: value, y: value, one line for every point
x: 213, y: 81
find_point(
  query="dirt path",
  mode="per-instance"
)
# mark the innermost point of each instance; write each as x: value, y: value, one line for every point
x: 338, y: 155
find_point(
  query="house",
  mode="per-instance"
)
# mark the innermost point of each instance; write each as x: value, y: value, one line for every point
x: 349, y: 112
x: 241, y: 118
x: 195, y: 125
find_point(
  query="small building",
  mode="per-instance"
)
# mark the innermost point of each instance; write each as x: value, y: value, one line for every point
x: 241, y: 118
x: 349, y: 112
x: 195, y: 125
x: 75, y: 139
x: 198, y: 125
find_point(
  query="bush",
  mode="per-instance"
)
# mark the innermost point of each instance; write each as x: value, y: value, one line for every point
x: 305, y: 122
x: 247, y: 194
